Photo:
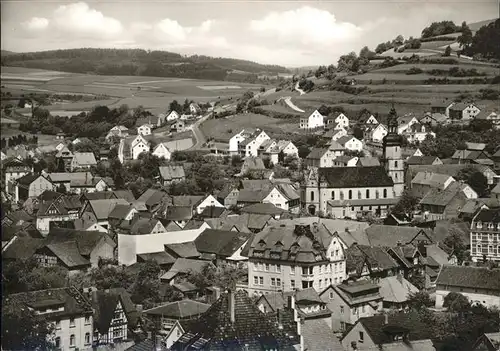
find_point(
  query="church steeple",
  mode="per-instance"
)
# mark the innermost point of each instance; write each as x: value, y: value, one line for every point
x: 393, y: 160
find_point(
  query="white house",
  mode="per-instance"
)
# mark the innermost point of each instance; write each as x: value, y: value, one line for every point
x: 60, y: 146
x: 145, y: 129
x: 117, y: 131
x: 418, y: 132
x: 137, y: 146
x: 194, y: 108
x: 371, y: 120
x: 378, y: 133
x: 250, y: 146
x: 342, y: 121
x: 172, y: 116
x: 418, y: 153
x: 209, y: 201
x: 492, y: 116
x: 288, y: 148
x: 162, y: 151
x: 405, y: 124
x: 235, y: 141
x: 349, y: 142
x: 315, y: 120
x: 463, y: 111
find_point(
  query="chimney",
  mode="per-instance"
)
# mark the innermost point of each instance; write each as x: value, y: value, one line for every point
x: 231, y: 303
x: 386, y: 319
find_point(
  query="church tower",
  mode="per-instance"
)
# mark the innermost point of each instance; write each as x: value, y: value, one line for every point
x: 393, y: 161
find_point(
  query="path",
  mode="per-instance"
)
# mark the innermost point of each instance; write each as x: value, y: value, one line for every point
x: 302, y: 92
x: 288, y: 101
x: 197, y: 133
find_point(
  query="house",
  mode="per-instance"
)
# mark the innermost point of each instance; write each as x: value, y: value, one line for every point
x: 184, y: 250
x: 335, y: 134
x: 349, y: 142
x: 172, y: 116
x: 65, y: 179
x: 418, y: 132
x: 131, y: 147
x: 287, y: 148
x: 222, y: 247
x: 350, y: 301
x: 492, y: 116
x: 346, y: 161
x: 433, y: 119
x: 117, y: 131
x: 322, y: 157
x: 395, y: 291
x: 442, y: 107
x: 75, y: 249
x: 144, y: 226
x: 425, y: 181
x: 463, y: 111
x: 405, y: 122
x: 98, y: 210
x: 77, y: 141
x: 399, y: 331
x: 243, y: 323
x: 481, y: 285
x: 450, y: 169
x: 252, y: 164
x: 271, y: 194
x: 446, y: 203
x: 249, y: 147
x: 392, y: 236
x: 13, y: 169
x: 343, y: 191
x: 166, y: 316
x: 365, y: 261
x: 57, y: 211
x: 265, y: 209
x: 154, y: 199
x: 368, y: 162
x: 145, y: 129
x: 67, y: 308
x: 471, y: 157
x: 83, y: 160
x: 423, y: 160
x: 198, y: 203
x: 161, y: 151
x: 31, y: 185
x: 341, y: 120
x: 485, y: 235
x: 115, y: 316
x: 276, y: 260
x: 183, y: 267
x: 228, y: 196
x: 375, y: 133
x: 313, y: 121
x: 172, y: 174
x: 367, y: 119
x: 177, y: 126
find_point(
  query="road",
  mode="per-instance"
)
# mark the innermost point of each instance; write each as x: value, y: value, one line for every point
x: 198, y: 135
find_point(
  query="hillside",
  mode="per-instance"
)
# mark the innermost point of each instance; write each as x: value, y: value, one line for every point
x: 137, y: 62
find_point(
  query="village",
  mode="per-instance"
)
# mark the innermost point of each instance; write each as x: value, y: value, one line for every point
x: 338, y: 248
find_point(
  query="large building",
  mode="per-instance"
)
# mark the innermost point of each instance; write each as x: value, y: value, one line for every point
x: 285, y: 258
x: 485, y: 235
x: 350, y: 191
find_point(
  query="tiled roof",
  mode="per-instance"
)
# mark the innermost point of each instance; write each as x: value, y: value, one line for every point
x: 179, y: 213
x: 152, y: 197
x: 68, y: 177
x: 243, y: 222
x: 396, y: 289
x: 68, y: 253
x: 369, y: 162
x: 252, y: 163
x: 380, y: 333
x: 102, y: 208
x: 145, y: 345
x: 488, y: 215
x: 183, y: 309
x: 376, y: 257
x: 317, y: 153
x: 391, y: 235
x: 212, y: 212
x: 318, y: 336
x: 98, y: 195
x: 421, y: 160
x: 185, y: 250
x: 220, y: 242
x: 469, y: 277
x: 440, y: 197
x: 27, y: 179
x: 143, y: 226
x: 21, y: 248
x: 172, y: 172
x: 120, y: 211
x: 251, y: 329
x: 262, y: 208
x: 434, y: 180
x: 350, y: 177
x: 124, y: 194
x: 344, y: 139
x: 185, y: 265
x: 187, y: 200
x: 84, y: 158
x: 104, y: 303
x: 74, y: 302
x: 252, y: 195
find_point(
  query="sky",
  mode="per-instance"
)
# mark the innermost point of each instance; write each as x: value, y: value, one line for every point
x: 289, y: 33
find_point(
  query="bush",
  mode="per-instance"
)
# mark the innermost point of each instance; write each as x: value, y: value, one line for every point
x: 414, y: 70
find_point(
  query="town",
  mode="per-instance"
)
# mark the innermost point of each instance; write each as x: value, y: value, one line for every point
x: 128, y: 229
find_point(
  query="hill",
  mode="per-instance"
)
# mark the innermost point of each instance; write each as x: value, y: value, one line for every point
x: 137, y: 62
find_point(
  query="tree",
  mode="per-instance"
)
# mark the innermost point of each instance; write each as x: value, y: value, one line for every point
x: 447, y: 51
x: 23, y: 328
x: 146, y: 288
x: 465, y: 39
x: 420, y: 300
x: 475, y: 179
x: 406, y: 204
x: 456, y: 302
x: 175, y: 106
x: 455, y: 242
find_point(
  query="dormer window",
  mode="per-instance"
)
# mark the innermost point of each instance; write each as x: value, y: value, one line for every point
x: 479, y: 225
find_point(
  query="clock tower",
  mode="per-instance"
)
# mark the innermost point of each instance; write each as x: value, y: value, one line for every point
x: 393, y: 161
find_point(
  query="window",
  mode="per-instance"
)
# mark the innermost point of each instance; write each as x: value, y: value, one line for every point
x: 359, y: 195
x: 72, y: 340
x: 72, y: 323
x: 256, y: 280
x: 292, y: 270
x: 58, y: 324
x: 385, y: 193
x: 292, y: 284
x: 341, y: 309
x: 395, y: 164
x: 361, y: 337
x: 363, y: 309
x: 367, y: 193
x: 261, y: 280
x: 87, y: 320
x: 350, y: 194
x: 320, y: 269
x: 273, y: 281
x: 266, y: 267
x: 312, y: 195
x: 278, y: 282
x: 278, y: 268
x: 87, y: 338
x: 333, y: 195
x: 321, y: 283
x: 331, y: 295
x: 58, y: 342
x: 341, y: 195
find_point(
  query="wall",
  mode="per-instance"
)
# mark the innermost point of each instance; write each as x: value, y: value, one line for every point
x: 277, y: 199
x: 326, y: 194
x: 104, y: 249
x: 483, y: 296
x: 79, y: 330
x: 129, y: 246
x: 353, y: 336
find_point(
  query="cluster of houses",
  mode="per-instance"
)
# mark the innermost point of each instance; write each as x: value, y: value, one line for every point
x: 319, y: 275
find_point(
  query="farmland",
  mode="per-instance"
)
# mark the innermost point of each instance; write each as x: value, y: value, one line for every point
x: 152, y: 93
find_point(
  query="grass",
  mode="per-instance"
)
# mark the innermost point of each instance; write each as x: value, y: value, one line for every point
x: 489, y: 70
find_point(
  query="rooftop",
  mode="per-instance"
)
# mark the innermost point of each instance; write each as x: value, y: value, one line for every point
x: 470, y: 277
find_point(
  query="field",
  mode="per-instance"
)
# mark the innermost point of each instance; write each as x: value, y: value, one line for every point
x: 152, y: 93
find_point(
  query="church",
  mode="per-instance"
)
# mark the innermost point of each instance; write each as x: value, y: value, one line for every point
x: 341, y: 192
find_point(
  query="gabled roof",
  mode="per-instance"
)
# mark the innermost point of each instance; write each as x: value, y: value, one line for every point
x: 142, y: 225
x: 434, y: 180
x: 187, y: 200
x: 318, y: 336
x: 152, y: 197
x: 184, y: 309
x: 22, y: 248
x: 421, y: 160
x: 440, y: 197
x: 252, y: 195
x: 179, y: 213
x: 98, y: 195
x: 262, y: 208
x: 212, y: 212
x: 220, y: 242
x: 488, y: 215
x: 27, y: 179
x: 161, y: 257
x: 351, y: 177
x: 376, y: 257
x: 344, y: 139
x: 185, y: 250
x: 172, y: 172
x: 66, y: 177
x: 316, y: 153
x: 102, y: 208
x: 251, y: 330
x: 185, y: 265
x: 68, y: 253
x: 396, y: 289
x: 369, y: 162
x: 469, y: 277
x: 391, y: 235
x: 252, y: 163
x: 84, y: 158
x: 85, y: 241
x: 124, y: 194
x: 105, y: 302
